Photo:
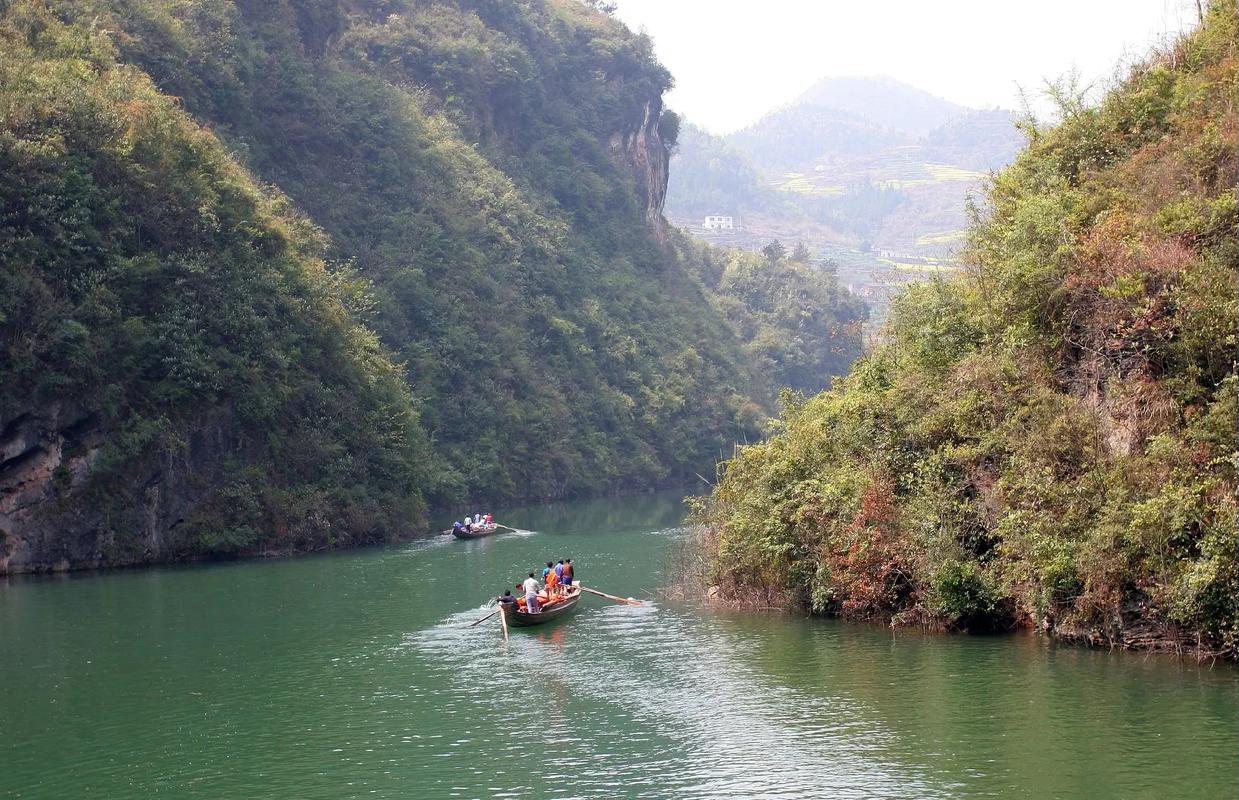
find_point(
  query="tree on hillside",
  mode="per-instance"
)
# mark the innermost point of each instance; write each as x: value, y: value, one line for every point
x: 774, y: 252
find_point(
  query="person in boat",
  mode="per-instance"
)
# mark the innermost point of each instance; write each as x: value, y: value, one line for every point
x: 507, y: 598
x: 531, y: 595
x: 569, y: 574
x: 488, y: 519
x: 457, y: 527
x: 559, y: 572
x: 477, y: 519
x: 552, y: 586
x: 547, y: 570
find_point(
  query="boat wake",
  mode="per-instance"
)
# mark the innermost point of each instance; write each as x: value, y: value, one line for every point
x: 634, y: 676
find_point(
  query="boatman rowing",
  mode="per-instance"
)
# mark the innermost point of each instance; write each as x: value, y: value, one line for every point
x: 531, y: 595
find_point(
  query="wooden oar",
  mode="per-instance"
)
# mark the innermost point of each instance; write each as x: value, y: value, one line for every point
x: 503, y: 617
x: 627, y: 600
x: 483, y: 619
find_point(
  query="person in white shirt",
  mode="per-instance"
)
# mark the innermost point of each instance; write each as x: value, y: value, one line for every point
x: 531, y: 595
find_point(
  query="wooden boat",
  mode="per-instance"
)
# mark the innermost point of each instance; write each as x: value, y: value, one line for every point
x: 477, y: 533
x: 550, y: 611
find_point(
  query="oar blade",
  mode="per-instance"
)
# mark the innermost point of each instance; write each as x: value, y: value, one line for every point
x: 616, y: 598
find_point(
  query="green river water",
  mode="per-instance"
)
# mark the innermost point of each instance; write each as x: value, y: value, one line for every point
x: 352, y: 675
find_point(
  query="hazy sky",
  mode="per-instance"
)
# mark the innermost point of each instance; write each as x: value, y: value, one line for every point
x: 733, y: 60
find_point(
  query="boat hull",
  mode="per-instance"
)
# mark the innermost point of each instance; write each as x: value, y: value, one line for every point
x: 553, y: 611
x: 491, y: 531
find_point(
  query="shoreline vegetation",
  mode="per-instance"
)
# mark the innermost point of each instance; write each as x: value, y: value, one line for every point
x: 1046, y: 440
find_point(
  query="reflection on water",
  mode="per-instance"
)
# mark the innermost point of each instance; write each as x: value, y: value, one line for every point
x: 358, y: 675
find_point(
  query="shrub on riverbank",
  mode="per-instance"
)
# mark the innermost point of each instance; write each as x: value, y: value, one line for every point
x: 1049, y: 437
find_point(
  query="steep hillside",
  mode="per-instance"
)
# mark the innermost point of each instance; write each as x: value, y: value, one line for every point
x: 499, y: 174
x: 794, y: 137
x: 180, y: 371
x: 1049, y: 438
x: 479, y: 182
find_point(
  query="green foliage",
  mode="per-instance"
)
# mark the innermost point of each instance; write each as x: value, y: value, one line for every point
x: 669, y: 128
x: 446, y: 285
x: 1051, y: 435
x: 544, y: 327
x: 151, y: 286
x: 961, y: 592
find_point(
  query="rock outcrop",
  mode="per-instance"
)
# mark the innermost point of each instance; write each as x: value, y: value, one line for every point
x: 642, y: 150
x: 53, y: 516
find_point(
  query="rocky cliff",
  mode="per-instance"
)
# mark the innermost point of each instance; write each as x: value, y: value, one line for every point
x: 646, y: 156
x: 54, y: 515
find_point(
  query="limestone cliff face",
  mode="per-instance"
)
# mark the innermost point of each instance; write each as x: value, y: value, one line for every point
x: 642, y: 151
x: 53, y: 516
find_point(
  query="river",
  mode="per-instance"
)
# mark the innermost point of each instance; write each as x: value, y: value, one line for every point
x: 352, y: 675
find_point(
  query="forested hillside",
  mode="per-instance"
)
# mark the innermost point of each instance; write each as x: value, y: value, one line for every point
x: 180, y: 371
x: 207, y: 208
x: 1048, y: 439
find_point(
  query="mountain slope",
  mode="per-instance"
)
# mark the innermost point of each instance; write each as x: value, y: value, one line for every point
x: 792, y: 138
x: 500, y: 207
x: 884, y: 100
x: 182, y: 374
x: 869, y: 164
x: 479, y: 183
x: 1048, y: 439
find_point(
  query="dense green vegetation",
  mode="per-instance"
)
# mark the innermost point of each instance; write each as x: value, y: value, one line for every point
x: 151, y: 294
x: 1050, y: 438
x: 463, y: 156
x: 797, y: 325
x: 320, y: 264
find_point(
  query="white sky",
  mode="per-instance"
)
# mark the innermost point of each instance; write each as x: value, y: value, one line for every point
x: 734, y: 60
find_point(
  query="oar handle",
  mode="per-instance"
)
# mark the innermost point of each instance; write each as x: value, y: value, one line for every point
x: 627, y: 600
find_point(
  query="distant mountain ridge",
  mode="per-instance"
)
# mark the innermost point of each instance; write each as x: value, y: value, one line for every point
x: 884, y: 100
x: 871, y: 164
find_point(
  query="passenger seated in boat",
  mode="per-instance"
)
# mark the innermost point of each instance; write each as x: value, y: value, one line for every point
x: 507, y: 598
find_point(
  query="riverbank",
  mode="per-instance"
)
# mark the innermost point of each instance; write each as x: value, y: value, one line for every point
x: 697, y: 569
x: 1047, y: 438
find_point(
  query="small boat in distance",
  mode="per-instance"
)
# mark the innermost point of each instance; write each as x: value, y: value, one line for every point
x: 552, y: 610
x: 478, y: 531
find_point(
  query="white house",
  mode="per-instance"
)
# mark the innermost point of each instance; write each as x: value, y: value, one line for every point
x: 719, y: 223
